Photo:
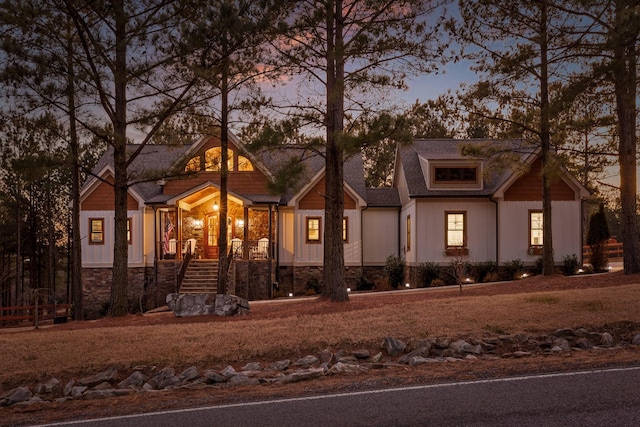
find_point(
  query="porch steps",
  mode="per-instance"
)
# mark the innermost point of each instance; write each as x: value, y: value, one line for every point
x: 201, y: 277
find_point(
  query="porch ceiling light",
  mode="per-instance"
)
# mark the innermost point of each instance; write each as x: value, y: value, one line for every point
x: 215, y: 206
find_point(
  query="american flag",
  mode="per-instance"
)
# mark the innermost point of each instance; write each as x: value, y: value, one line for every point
x: 167, y: 235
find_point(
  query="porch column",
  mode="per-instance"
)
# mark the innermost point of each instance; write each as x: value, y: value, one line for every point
x: 245, y: 246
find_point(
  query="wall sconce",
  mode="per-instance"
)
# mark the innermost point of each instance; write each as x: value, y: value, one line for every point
x: 239, y: 223
x: 216, y: 208
x: 197, y: 224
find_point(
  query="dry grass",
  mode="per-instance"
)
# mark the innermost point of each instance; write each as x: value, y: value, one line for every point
x: 288, y: 330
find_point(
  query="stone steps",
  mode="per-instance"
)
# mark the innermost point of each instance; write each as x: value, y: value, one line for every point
x: 201, y: 277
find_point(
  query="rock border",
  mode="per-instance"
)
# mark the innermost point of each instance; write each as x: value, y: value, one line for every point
x: 393, y: 352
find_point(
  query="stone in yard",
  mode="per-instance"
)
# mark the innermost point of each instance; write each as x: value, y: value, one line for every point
x: 606, y: 340
x: 345, y: 368
x: 362, y: 354
x: 136, y: 379
x: 78, y: 390
x: 306, y: 361
x: 189, y: 374
x: 242, y: 380
x: 108, y: 376
x: 562, y: 344
x: 252, y: 366
x: 214, y: 377
x: 228, y: 372
x: 280, y: 365
x: 636, y: 340
x: 394, y: 347
x: 48, y: 387
x: 302, y: 375
x: 187, y: 305
x: 163, y: 379
x: 230, y: 305
x: 583, y: 343
x: 405, y: 359
x: 17, y: 395
x: 68, y: 387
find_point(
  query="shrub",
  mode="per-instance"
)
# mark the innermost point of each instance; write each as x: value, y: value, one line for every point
x: 570, y: 265
x: 428, y: 271
x: 394, y: 267
x: 313, y: 285
x: 437, y: 282
x: 485, y: 271
x: 362, y: 282
x: 514, y: 268
x: 597, y: 238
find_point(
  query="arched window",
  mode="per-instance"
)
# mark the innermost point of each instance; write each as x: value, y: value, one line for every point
x: 244, y: 164
x: 193, y: 165
x: 213, y: 159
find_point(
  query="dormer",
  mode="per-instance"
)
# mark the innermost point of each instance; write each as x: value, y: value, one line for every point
x: 458, y: 174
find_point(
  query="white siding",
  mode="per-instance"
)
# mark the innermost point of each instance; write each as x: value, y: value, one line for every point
x: 102, y: 255
x: 286, y: 239
x: 381, y: 235
x: 514, y: 230
x: 429, y: 229
x: 409, y: 249
x: 308, y: 253
x: 353, y: 247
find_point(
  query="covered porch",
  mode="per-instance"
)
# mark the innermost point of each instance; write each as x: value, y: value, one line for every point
x: 190, y: 224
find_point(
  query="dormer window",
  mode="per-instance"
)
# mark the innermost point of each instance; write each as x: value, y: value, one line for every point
x: 453, y: 175
x: 456, y: 174
x: 211, y: 161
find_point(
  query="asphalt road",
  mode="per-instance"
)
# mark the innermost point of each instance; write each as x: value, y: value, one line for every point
x: 586, y: 398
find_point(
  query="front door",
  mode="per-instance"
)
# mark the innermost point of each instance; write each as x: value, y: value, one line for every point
x: 211, y: 231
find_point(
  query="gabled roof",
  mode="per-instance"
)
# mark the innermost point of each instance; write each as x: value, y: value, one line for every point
x: 314, y: 163
x: 409, y: 157
x: 156, y: 162
x: 383, y: 197
x: 153, y: 163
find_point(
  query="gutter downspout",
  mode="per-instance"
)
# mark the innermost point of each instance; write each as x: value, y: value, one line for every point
x: 155, y: 252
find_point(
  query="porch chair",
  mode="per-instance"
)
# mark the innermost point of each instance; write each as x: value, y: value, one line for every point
x: 189, y: 247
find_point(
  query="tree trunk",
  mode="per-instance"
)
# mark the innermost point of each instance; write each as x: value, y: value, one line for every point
x: 76, y: 252
x: 333, y: 285
x: 625, y: 78
x: 119, y: 282
x: 545, y: 143
x: 224, y: 173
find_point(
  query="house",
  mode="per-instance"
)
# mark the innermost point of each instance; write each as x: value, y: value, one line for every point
x: 455, y: 206
x: 442, y: 204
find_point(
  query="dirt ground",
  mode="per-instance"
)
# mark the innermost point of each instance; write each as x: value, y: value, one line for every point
x: 389, y: 377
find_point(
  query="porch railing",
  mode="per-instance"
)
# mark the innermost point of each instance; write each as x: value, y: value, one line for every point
x: 257, y: 249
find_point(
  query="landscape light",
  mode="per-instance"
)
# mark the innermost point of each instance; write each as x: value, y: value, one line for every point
x: 290, y: 294
x: 348, y: 289
x: 407, y: 285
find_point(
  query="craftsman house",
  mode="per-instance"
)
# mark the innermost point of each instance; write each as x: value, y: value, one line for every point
x: 441, y: 204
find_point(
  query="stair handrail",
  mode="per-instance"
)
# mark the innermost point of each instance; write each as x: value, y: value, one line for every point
x: 184, y: 266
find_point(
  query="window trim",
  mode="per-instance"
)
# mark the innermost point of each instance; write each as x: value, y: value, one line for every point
x: 408, y: 230
x: 535, y: 249
x: 130, y: 230
x: 345, y: 229
x: 93, y: 241
x: 446, y: 230
x: 307, y: 223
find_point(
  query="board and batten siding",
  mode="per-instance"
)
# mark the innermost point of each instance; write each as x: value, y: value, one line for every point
x: 430, y: 224
x: 529, y: 187
x: 514, y: 230
x: 102, y: 198
x: 101, y: 255
x: 381, y: 235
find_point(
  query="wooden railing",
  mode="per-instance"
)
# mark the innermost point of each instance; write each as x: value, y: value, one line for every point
x: 613, y: 249
x: 34, y: 314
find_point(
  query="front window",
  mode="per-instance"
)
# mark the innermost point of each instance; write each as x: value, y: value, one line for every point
x: 345, y: 230
x: 313, y: 230
x: 129, y: 230
x: 535, y: 228
x: 96, y: 231
x: 455, y: 232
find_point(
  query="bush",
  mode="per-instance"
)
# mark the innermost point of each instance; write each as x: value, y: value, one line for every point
x: 570, y: 265
x: 362, y: 282
x: 485, y: 271
x: 428, y: 272
x: 394, y: 267
x: 313, y: 285
x: 514, y: 268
